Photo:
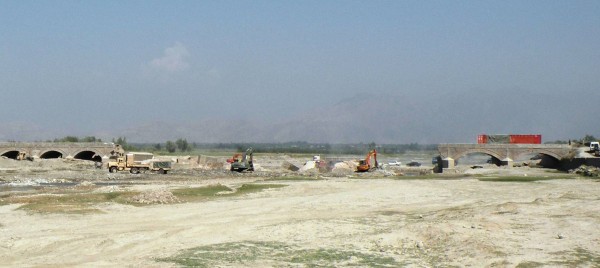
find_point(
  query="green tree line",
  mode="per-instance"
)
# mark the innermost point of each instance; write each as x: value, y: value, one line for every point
x: 300, y: 147
x: 181, y: 145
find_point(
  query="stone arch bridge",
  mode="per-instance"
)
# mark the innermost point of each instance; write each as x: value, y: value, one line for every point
x: 71, y: 150
x: 503, y: 154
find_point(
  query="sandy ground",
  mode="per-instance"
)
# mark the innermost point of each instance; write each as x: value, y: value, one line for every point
x: 418, y: 223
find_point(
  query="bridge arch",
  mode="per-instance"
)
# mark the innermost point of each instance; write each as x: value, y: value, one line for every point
x: 91, y: 155
x: 10, y: 154
x: 547, y: 158
x: 51, y: 154
x: 491, y: 153
x: 540, y: 151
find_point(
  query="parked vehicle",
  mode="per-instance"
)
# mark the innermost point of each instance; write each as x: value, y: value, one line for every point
x: 136, y: 162
x: 413, y: 164
x: 595, y: 148
x: 395, y: 163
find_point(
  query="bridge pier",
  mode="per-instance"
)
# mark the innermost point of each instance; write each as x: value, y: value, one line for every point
x: 445, y: 165
x: 448, y: 163
x: 507, y: 162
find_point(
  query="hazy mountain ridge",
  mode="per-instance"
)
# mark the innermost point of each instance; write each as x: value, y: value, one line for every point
x: 436, y: 118
x: 446, y: 117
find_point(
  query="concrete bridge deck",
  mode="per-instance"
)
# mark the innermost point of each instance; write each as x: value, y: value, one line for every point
x: 77, y: 150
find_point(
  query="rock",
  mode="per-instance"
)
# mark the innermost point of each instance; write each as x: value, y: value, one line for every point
x: 586, y: 171
x: 86, y: 183
x: 289, y: 166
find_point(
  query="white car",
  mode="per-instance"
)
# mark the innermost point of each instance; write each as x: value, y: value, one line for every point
x: 593, y: 145
x: 395, y: 163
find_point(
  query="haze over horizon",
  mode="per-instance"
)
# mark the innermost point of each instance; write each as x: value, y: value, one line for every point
x: 319, y: 71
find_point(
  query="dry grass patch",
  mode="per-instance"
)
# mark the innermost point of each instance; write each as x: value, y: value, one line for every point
x: 295, y: 178
x: 218, y: 190
x: 200, y: 193
x: 579, y: 257
x: 81, y: 199
x: 276, y: 254
x: 71, y: 203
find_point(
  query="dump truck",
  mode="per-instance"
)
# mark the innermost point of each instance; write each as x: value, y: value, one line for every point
x: 136, y: 162
x: 24, y: 156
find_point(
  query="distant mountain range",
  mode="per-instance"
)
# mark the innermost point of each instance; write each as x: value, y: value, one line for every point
x: 447, y: 117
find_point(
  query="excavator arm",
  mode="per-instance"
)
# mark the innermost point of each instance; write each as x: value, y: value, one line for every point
x: 365, y: 165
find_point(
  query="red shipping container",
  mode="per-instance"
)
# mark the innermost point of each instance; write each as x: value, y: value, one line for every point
x: 512, y: 139
x: 525, y: 139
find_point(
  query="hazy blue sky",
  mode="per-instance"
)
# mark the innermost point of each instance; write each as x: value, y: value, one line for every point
x: 78, y: 65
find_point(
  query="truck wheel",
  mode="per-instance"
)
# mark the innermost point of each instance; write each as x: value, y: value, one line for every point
x: 134, y: 170
x: 161, y: 171
x: 112, y: 169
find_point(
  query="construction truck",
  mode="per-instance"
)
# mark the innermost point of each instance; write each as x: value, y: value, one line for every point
x: 365, y: 165
x: 320, y: 164
x: 242, y: 161
x: 24, y: 156
x: 136, y: 162
x: 595, y: 148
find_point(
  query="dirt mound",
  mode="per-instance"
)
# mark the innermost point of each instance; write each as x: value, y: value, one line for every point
x: 586, y: 171
x: 310, y: 165
x: 210, y: 163
x: 161, y: 196
x: 346, y: 166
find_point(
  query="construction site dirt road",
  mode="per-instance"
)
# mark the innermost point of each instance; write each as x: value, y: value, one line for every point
x: 506, y: 218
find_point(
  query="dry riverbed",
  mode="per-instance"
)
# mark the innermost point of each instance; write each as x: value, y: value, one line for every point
x: 87, y: 217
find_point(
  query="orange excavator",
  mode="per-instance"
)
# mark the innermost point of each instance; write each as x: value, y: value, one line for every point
x: 235, y: 158
x: 365, y: 165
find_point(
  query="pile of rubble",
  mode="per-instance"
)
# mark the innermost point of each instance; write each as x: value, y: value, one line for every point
x: 586, y: 171
x: 161, y: 196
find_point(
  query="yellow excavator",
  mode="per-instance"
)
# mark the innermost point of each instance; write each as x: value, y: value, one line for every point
x: 365, y: 165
